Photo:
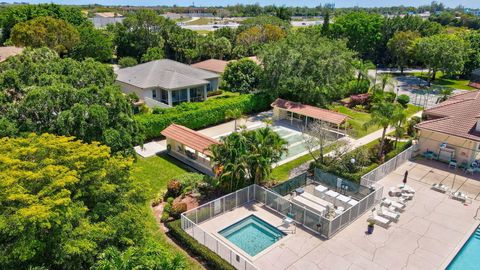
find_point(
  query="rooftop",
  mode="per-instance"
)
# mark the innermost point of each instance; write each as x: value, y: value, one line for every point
x: 456, y: 116
x: 213, y: 65
x: 8, y: 51
x: 311, y: 111
x: 188, y: 137
x: 165, y: 73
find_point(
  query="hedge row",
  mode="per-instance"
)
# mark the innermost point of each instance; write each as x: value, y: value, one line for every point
x: 210, y: 258
x: 201, y: 114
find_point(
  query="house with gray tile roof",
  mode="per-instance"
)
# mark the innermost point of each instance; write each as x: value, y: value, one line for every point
x: 168, y: 82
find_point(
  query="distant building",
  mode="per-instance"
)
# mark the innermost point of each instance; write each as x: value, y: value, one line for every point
x: 101, y: 20
x: 475, y: 12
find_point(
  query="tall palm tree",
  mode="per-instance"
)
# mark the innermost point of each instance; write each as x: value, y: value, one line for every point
x: 384, y: 114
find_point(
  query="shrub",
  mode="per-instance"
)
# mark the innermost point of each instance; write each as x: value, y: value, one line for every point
x: 403, y: 100
x: 170, y: 200
x: 177, y: 209
x: 201, y: 114
x: 158, y: 199
x: 361, y: 99
x: 167, y: 208
x: 127, y: 62
x: 174, y: 188
x: 411, y: 130
x: 190, y: 181
x: 165, y: 216
x: 214, y: 93
x: 208, y: 257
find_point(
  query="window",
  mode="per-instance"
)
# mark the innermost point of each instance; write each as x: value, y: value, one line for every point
x: 209, y: 87
x: 179, y: 96
x: 164, y: 96
x: 154, y: 94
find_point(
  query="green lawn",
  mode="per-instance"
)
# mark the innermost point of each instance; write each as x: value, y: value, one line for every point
x: 442, y: 81
x: 358, y: 119
x: 200, y: 21
x: 154, y: 173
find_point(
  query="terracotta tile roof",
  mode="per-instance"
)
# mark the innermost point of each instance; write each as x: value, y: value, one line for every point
x: 8, y: 51
x: 188, y: 137
x: 457, y: 116
x: 214, y: 65
x: 311, y: 111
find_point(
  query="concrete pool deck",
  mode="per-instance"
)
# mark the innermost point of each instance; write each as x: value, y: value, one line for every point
x: 429, y: 233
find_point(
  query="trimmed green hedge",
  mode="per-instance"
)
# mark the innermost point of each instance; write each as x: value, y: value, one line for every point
x: 201, y: 114
x: 210, y: 258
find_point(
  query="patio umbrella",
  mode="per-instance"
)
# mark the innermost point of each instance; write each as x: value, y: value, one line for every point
x: 405, y: 178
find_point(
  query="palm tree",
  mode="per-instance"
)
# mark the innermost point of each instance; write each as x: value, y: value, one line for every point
x: 384, y: 114
x: 362, y: 70
x: 386, y: 80
x: 233, y: 114
x: 445, y: 93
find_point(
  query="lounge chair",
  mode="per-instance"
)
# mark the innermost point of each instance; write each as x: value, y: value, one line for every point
x: 461, y: 196
x: 381, y: 221
x: 396, y: 205
x: 394, y: 192
x: 407, y: 196
x: 440, y: 187
x: 386, y: 213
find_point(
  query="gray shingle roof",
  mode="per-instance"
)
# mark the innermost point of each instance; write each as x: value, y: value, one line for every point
x: 165, y: 73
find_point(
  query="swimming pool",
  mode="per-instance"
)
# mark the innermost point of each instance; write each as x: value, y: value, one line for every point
x: 467, y: 258
x: 252, y: 234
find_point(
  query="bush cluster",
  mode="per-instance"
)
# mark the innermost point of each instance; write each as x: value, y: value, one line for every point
x: 202, y: 114
x: 211, y: 260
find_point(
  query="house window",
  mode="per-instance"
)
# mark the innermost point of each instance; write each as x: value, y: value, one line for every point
x: 154, y: 94
x: 209, y: 87
x: 164, y: 96
x: 179, y: 96
x: 196, y: 94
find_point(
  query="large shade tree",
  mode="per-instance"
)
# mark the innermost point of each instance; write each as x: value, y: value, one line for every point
x: 65, y: 202
x: 401, y: 48
x: 40, y: 92
x: 307, y: 68
x: 443, y: 52
x: 241, y: 76
x: 54, y: 33
x: 362, y: 30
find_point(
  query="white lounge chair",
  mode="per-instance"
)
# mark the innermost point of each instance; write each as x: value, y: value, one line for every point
x: 461, y: 196
x: 393, y: 192
x: 396, y: 205
x: 381, y: 221
x: 440, y: 187
x: 385, y: 212
x: 407, y: 196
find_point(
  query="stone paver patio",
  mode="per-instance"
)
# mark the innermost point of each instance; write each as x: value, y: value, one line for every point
x: 429, y: 233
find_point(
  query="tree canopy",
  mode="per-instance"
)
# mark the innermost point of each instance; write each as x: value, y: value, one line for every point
x: 45, y: 31
x: 241, y: 76
x: 15, y: 14
x: 443, y: 52
x: 401, y: 48
x: 362, y: 30
x: 63, y: 202
x: 307, y: 68
x: 41, y: 92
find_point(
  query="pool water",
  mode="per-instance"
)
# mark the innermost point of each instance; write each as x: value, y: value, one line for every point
x: 252, y: 234
x: 468, y: 257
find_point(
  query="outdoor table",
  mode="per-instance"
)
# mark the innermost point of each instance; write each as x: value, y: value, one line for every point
x: 332, y: 193
x: 343, y: 198
x: 321, y: 188
x: 353, y: 202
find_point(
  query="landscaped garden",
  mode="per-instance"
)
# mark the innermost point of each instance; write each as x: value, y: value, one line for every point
x: 446, y: 81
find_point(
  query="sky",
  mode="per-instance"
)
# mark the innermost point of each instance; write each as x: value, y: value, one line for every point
x: 338, y: 3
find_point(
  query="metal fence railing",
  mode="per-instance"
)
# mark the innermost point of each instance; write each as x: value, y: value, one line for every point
x: 352, y: 213
x: 193, y: 217
x: 381, y: 171
x: 286, y: 187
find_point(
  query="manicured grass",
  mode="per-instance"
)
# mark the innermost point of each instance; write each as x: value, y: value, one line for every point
x: 203, y: 32
x: 443, y: 81
x: 154, y: 173
x: 200, y: 21
x: 358, y: 119
x: 280, y: 173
